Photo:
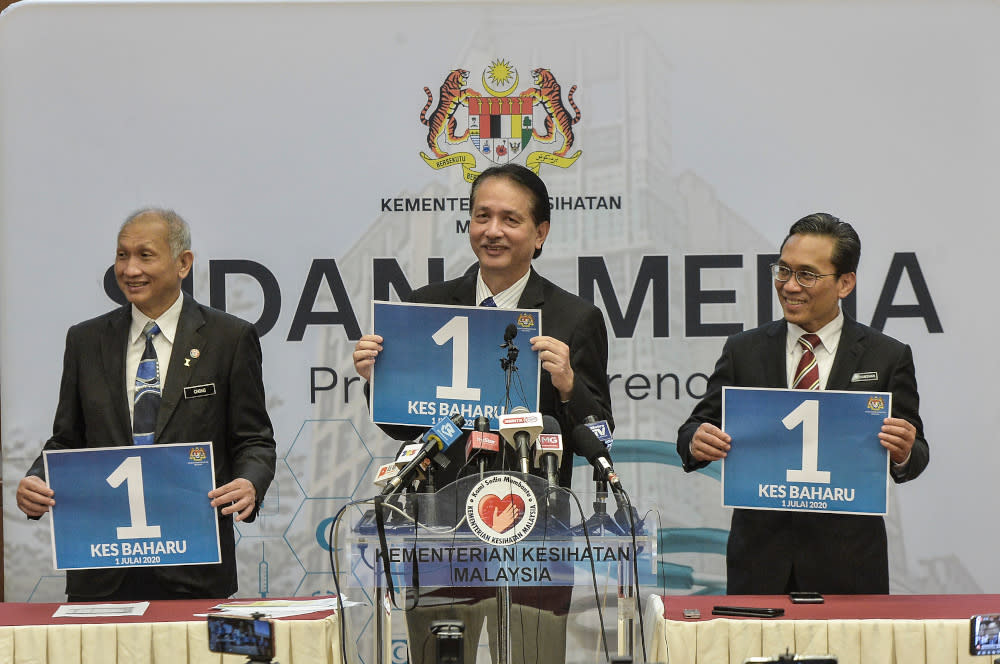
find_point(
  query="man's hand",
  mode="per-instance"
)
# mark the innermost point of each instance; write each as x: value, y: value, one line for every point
x: 897, y: 436
x: 34, y: 497
x: 709, y: 443
x: 365, y: 352
x: 238, y: 496
x: 554, y: 355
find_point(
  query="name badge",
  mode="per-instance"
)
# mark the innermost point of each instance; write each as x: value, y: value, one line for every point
x: 864, y: 376
x: 195, y: 391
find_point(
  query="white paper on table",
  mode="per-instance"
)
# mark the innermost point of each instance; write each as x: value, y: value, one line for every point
x: 281, y: 608
x: 100, y: 610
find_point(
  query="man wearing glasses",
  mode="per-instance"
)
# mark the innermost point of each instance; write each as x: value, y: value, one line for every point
x: 774, y: 552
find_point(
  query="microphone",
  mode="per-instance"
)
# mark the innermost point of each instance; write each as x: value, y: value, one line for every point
x: 385, y: 473
x: 481, y: 443
x: 520, y: 429
x: 508, y: 335
x: 549, y: 449
x: 437, y: 438
x: 409, y: 451
x: 589, y: 446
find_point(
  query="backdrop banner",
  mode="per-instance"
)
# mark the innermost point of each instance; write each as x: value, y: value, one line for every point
x: 322, y: 153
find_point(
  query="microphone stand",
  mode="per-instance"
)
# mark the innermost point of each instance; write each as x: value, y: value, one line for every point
x: 600, y: 520
x: 508, y: 364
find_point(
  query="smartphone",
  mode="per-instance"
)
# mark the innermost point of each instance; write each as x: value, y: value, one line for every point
x: 241, y: 636
x: 984, y: 634
x: 748, y: 611
x: 800, y: 597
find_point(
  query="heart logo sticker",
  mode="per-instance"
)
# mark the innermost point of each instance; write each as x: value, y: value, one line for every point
x: 501, y: 509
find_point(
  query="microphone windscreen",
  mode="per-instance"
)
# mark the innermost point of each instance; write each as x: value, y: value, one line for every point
x: 509, y: 333
x: 586, y: 444
x: 482, y: 440
x: 550, y: 424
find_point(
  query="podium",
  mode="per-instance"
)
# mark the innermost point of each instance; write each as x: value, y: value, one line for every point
x: 501, y: 534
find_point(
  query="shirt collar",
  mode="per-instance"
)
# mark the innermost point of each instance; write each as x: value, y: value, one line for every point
x: 505, y: 299
x: 829, y: 334
x: 167, y: 322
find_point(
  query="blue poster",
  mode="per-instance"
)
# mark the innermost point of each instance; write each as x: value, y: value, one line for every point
x: 807, y: 451
x: 439, y: 360
x: 144, y: 505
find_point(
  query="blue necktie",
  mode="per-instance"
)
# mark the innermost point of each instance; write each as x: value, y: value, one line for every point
x: 488, y: 302
x: 147, y: 391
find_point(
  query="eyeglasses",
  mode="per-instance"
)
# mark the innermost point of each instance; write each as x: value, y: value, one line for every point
x: 805, y: 278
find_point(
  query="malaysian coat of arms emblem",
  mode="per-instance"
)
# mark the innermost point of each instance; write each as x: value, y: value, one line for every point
x: 500, y: 125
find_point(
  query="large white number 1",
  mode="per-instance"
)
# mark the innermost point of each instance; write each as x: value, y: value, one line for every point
x: 807, y: 414
x: 457, y: 330
x: 130, y: 470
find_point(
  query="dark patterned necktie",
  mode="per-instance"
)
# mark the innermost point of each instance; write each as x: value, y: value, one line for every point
x: 147, y: 391
x: 488, y: 302
x: 807, y: 374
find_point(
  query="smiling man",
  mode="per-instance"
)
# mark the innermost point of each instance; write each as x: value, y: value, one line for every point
x: 772, y: 552
x: 129, y: 378
x: 509, y: 225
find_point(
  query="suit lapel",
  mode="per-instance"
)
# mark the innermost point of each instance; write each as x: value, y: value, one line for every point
x: 775, y: 373
x: 114, y: 345
x: 464, y: 291
x: 849, y: 349
x: 187, y: 338
x: 533, y: 296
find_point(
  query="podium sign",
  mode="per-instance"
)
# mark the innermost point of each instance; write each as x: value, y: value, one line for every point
x: 135, y: 506
x: 807, y: 451
x: 506, y: 529
x: 440, y: 360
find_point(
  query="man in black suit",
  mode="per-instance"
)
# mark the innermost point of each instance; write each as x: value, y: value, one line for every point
x: 772, y: 552
x: 509, y: 224
x: 196, y: 346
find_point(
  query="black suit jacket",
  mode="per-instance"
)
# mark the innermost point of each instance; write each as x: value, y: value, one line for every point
x: 831, y: 553
x: 93, y: 411
x: 566, y: 317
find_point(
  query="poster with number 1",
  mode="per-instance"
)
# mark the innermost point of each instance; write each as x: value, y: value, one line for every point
x: 135, y: 506
x: 438, y: 360
x: 805, y: 451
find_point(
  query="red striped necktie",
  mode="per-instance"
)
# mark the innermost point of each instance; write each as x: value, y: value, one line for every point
x: 807, y: 374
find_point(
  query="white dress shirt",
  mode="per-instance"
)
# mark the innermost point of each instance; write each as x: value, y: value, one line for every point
x: 829, y: 336
x: 505, y: 299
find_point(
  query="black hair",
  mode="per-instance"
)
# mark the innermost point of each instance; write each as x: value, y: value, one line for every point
x: 846, y: 243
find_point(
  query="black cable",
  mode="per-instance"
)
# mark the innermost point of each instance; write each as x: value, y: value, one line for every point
x: 336, y: 581
x: 635, y: 574
x: 593, y: 576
